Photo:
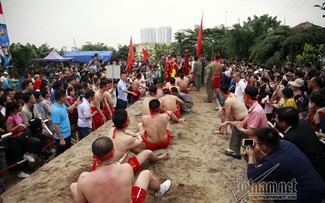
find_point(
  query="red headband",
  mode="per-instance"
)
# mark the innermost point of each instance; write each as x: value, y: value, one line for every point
x: 99, y: 159
x: 152, y: 111
x: 153, y: 93
x: 124, y: 124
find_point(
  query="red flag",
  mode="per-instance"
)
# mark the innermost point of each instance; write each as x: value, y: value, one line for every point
x: 130, y: 57
x: 1, y: 11
x: 145, y: 55
x: 199, y: 40
x: 219, y: 54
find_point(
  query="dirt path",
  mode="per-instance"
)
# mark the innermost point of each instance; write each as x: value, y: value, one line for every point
x: 197, y: 166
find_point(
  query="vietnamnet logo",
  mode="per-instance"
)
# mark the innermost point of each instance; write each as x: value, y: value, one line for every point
x: 244, y: 189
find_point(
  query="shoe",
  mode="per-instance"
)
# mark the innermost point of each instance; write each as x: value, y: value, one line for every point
x: 233, y: 154
x: 22, y: 175
x: 206, y: 100
x: 163, y: 188
x: 29, y: 157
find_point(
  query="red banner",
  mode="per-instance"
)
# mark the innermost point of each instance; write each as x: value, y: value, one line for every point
x: 130, y: 57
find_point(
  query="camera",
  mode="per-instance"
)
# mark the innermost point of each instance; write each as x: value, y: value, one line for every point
x: 248, y: 142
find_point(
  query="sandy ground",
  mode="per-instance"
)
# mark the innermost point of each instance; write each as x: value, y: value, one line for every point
x: 197, y: 165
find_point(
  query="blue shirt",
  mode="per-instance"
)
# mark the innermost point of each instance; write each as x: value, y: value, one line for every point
x: 292, y: 164
x: 121, y: 86
x: 59, y: 115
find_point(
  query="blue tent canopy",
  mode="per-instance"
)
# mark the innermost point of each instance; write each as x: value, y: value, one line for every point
x: 85, y: 56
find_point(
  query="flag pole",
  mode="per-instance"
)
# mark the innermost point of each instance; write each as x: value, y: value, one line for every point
x: 3, y: 15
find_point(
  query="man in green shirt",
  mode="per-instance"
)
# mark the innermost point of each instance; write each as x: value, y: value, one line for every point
x: 197, y: 73
x: 208, y: 81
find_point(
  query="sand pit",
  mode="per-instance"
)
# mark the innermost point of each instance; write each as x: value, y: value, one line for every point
x: 197, y: 165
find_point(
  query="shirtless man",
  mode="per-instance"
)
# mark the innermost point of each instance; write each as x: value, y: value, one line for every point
x: 145, y: 104
x: 183, y: 83
x: 171, y: 103
x: 233, y: 110
x: 126, y: 142
x: 172, y: 83
x: 99, y: 118
x: 108, y: 107
x: 136, y: 84
x: 159, y: 91
x: 216, y: 66
x: 114, y: 182
x: 156, y: 135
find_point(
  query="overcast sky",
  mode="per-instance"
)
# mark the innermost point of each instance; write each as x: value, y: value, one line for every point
x: 57, y: 22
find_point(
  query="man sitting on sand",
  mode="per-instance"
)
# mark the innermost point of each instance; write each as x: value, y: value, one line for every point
x: 152, y: 95
x: 171, y: 83
x: 156, y: 135
x: 183, y: 83
x: 126, y: 141
x: 145, y: 104
x: 188, y: 103
x: 171, y: 103
x: 115, y: 178
x: 233, y: 110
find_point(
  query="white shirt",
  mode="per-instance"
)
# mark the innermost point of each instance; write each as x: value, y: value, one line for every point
x: 84, y: 111
x: 192, y: 66
x: 240, y: 89
x: 113, y: 94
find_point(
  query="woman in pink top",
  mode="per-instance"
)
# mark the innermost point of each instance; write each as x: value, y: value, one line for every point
x: 17, y: 150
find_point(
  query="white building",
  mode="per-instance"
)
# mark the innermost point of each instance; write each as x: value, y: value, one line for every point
x: 165, y: 35
x: 148, y: 35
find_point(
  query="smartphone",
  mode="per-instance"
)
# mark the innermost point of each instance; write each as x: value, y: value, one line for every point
x: 248, y: 142
x: 80, y: 98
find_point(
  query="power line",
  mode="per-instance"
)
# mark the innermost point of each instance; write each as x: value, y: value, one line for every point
x: 284, y: 7
x: 291, y: 8
x: 296, y: 8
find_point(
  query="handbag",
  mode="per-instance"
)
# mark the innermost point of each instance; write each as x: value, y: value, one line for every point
x: 24, y: 136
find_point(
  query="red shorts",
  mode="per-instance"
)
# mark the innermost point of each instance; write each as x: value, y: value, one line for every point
x: 97, y: 118
x: 133, y: 161
x: 185, y: 91
x: 136, y: 98
x: 178, y: 112
x: 159, y: 145
x: 105, y: 112
x: 138, y: 194
x: 216, y: 81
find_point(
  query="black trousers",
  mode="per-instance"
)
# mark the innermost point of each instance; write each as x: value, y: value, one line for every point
x: 121, y: 104
x: 60, y: 149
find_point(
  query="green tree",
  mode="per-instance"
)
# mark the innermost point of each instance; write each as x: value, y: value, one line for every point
x: 242, y: 38
x: 22, y: 56
x: 123, y: 52
x: 160, y: 50
x: 268, y: 48
x: 295, y: 42
x: 309, y: 56
x: 43, y: 50
x: 94, y: 47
